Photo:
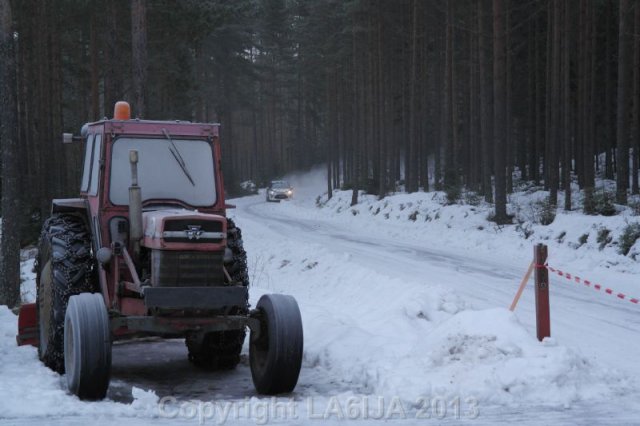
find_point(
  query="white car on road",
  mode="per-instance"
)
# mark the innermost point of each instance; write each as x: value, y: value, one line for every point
x: 279, y: 190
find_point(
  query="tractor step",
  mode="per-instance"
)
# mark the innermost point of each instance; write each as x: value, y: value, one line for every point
x: 28, y: 325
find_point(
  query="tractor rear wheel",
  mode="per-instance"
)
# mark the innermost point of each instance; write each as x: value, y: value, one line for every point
x: 218, y: 350
x: 64, y: 268
x: 87, y: 346
x: 275, y: 354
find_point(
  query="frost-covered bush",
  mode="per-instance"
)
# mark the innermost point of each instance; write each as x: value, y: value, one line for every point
x: 603, y: 203
x: 472, y: 198
x: 628, y: 238
x: 583, y: 239
x: 524, y: 228
x: 545, y: 212
x: 604, y: 237
x: 634, y: 205
x: 454, y: 193
x: 249, y: 186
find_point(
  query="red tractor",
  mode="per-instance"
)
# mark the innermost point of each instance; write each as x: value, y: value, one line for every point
x: 147, y: 249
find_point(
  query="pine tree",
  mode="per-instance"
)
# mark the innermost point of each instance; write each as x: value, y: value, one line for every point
x: 10, y: 237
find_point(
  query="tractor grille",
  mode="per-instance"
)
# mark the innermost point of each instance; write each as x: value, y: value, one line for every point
x: 186, y: 268
x: 175, y: 231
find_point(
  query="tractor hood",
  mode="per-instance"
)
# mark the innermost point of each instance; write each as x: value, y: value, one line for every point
x: 179, y: 229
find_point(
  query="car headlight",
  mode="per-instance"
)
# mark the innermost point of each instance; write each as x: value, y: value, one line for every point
x: 271, y: 192
x: 289, y: 192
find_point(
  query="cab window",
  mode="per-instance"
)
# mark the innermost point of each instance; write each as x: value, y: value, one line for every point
x: 95, y: 165
x: 88, y: 156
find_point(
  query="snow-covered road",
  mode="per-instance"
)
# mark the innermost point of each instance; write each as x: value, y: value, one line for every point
x: 600, y: 333
x: 601, y: 327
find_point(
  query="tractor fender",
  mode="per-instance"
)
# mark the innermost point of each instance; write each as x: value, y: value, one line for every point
x: 71, y: 205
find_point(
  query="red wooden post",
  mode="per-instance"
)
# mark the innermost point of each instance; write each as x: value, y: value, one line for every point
x: 543, y: 320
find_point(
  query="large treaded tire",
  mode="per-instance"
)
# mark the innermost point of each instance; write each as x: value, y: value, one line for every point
x: 237, y: 267
x: 218, y: 350
x: 275, y: 354
x: 87, y: 346
x: 64, y: 267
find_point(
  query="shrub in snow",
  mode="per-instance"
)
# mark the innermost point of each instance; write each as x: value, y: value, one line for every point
x: 603, y: 203
x: 545, y: 212
x: 604, y: 237
x: 628, y: 238
x: 634, y: 252
x: 472, y: 198
x: 249, y: 185
x: 588, y: 203
x: 453, y: 193
x: 347, y: 186
x: 634, y: 205
x: 524, y: 228
x: 583, y: 239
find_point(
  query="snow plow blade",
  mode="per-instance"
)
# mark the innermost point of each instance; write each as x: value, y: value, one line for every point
x: 27, y: 325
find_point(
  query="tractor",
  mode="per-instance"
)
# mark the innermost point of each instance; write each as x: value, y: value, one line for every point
x: 148, y: 250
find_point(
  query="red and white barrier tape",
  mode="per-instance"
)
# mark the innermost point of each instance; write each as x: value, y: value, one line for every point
x: 588, y: 283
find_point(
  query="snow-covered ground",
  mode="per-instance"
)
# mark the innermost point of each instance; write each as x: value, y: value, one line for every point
x: 404, y: 303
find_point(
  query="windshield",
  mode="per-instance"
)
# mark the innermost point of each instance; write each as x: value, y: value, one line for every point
x: 280, y: 184
x: 159, y: 174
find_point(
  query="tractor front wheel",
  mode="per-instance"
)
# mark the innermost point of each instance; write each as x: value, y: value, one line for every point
x: 275, y: 354
x: 87, y: 346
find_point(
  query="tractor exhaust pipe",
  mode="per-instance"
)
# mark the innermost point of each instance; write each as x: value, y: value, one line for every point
x: 135, y: 205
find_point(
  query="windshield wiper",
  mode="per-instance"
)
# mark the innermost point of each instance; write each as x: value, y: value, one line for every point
x: 176, y: 154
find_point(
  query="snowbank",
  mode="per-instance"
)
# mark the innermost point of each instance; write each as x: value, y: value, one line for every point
x: 586, y: 246
x: 385, y: 336
x: 29, y: 389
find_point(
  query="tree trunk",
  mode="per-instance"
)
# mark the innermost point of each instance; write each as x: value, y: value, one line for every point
x: 411, y: 180
x: 95, y: 74
x: 636, y: 100
x: 566, y: 103
x: 448, y: 137
x: 622, y: 127
x: 608, y: 91
x: 486, y: 107
x: 509, y: 142
x: 10, y: 238
x: 112, y: 81
x: 139, y: 55
x: 553, y: 92
x: 499, y: 108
